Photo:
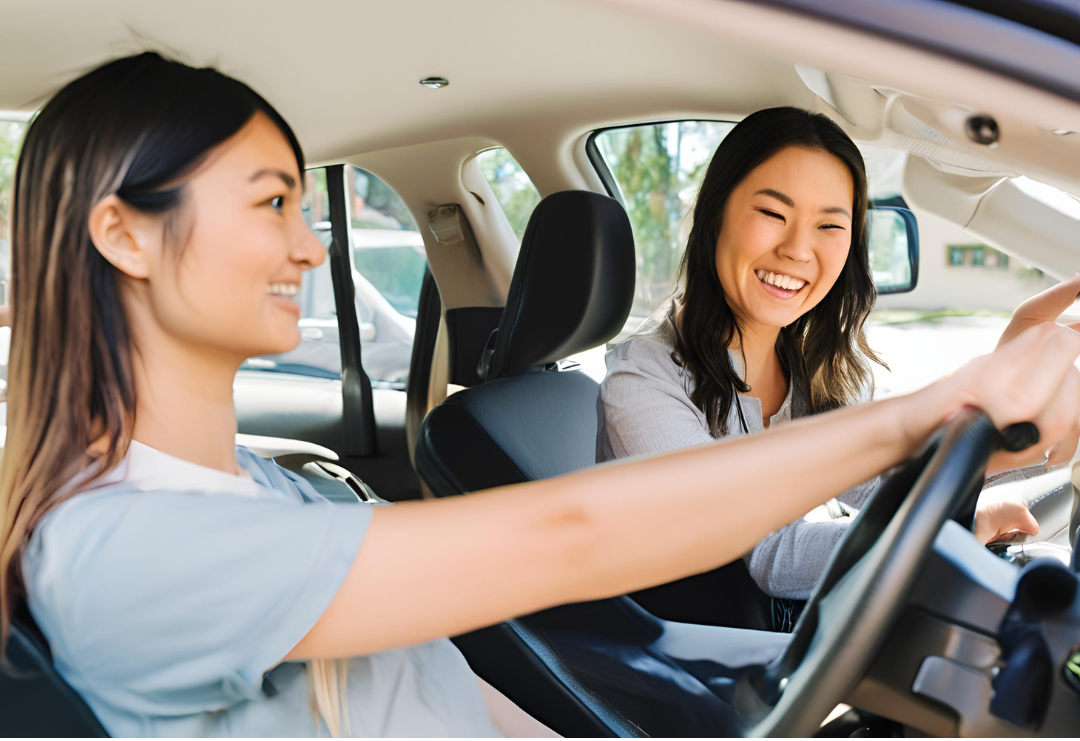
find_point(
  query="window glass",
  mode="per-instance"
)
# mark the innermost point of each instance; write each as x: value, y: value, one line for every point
x: 11, y: 134
x: 388, y: 270
x: 657, y: 170
x: 513, y: 189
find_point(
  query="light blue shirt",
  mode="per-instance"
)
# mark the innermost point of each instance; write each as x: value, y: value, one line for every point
x: 170, y: 592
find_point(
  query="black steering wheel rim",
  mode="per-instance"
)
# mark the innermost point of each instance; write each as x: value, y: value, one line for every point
x: 866, y: 584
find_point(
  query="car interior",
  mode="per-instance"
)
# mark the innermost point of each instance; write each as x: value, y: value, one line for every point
x: 915, y: 628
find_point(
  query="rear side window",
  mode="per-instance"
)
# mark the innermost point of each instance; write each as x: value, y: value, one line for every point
x: 388, y: 261
x: 656, y: 170
x: 11, y: 136
x: 514, y: 190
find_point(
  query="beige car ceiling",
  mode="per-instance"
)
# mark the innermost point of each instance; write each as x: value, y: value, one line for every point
x: 537, y: 76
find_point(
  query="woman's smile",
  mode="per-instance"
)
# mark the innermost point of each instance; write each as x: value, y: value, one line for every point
x: 780, y: 285
x: 282, y: 296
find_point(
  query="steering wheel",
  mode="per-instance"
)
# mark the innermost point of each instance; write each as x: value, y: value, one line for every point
x: 866, y: 584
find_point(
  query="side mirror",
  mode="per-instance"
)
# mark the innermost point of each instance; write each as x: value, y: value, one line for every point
x: 894, y: 248
x: 367, y: 331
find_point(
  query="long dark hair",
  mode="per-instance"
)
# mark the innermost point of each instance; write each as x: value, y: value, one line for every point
x: 824, y: 352
x: 134, y: 128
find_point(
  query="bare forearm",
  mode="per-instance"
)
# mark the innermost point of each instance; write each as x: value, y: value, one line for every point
x: 429, y: 569
x: 446, y: 567
x: 693, y: 510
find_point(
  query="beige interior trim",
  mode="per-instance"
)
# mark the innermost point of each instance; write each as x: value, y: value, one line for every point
x: 473, y: 272
x: 569, y: 74
x: 936, y: 89
x: 996, y: 210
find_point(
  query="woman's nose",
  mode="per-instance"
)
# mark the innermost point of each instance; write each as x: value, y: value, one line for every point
x: 797, y: 247
x: 308, y: 249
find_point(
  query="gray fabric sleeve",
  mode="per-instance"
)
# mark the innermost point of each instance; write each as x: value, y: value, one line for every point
x: 645, y: 408
x: 788, y: 562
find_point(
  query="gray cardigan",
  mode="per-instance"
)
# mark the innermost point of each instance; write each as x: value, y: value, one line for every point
x: 645, y: 408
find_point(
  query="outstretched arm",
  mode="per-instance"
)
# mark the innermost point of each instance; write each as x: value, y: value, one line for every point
x: 429, y: 569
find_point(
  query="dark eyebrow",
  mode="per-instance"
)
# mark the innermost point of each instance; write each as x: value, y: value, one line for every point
x: 786, y: 200
x: 289, y: 180
x: 837, y: 210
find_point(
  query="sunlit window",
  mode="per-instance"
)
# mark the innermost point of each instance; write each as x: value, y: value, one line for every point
x: 515, y: 192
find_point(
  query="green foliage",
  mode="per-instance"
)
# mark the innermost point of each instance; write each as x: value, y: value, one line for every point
x: 396, y: 272
x: 383, y: 209
x: 513, y: 189
x: 658, y: 169
x: 11, y: 134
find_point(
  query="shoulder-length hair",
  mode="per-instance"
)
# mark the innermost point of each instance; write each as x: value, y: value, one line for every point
x: 824, y: 352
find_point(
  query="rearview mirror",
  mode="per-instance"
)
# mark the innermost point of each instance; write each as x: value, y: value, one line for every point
x: 894, y: 248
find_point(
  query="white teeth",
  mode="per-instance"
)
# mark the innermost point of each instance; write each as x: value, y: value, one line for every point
x: 283, y: 289
x: 780, y: 280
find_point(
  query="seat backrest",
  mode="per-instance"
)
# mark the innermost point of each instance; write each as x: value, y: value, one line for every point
x: 532, y: 419
x: 529, y: 427
x: 35, y: 701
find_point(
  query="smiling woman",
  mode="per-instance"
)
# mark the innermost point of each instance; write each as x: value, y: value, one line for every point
x: 767, y: 326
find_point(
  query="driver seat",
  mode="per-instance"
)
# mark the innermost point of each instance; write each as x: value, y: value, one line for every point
x: 604, y: 668
x: 35, y: 701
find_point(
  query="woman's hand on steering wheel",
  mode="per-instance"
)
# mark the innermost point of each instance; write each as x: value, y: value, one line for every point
x: 1041, y: 309
x: 1029, y: 378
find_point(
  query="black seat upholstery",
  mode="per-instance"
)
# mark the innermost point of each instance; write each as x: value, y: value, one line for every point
x: 35, y: 701
x: 606, y: 668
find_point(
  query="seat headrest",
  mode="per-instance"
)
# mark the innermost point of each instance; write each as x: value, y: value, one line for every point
x: 573, y: 284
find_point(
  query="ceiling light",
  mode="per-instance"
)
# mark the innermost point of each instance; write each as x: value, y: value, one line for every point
x: 435, y: 82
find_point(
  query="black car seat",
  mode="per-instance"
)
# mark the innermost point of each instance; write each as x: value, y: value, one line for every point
x: 606, y: 668
x: 35, y: 701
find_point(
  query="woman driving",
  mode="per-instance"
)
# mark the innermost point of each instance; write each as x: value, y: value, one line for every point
x: 768, y: 327
x: 188, y: 587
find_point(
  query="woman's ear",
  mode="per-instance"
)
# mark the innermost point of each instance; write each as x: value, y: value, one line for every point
x: 119, y: 233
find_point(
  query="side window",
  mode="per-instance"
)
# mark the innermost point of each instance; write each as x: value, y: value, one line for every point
x: 515, y: 192
x: 11, y: 134
x: 388, y: 269
x: 656, y: 171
